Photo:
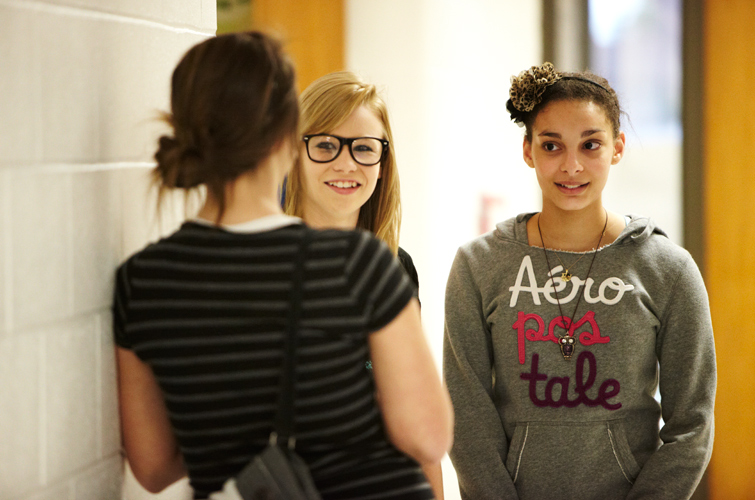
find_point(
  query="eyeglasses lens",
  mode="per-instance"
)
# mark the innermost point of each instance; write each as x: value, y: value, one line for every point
x: 323, y: 148
x: 364, y: 150
x: 367, y: 151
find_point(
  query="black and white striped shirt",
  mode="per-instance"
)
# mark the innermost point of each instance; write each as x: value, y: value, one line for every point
x: 206, y: 309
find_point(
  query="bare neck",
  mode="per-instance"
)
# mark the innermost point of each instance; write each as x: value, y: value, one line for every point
x: 320, y: 219
x: 250, y: 196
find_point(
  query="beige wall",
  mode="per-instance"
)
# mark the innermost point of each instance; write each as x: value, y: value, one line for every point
x: 444, y: 70
x: 729, y: 199
x: 80, y: 81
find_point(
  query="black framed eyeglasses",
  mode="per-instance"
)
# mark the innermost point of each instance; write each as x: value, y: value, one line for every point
x: 323, y: 148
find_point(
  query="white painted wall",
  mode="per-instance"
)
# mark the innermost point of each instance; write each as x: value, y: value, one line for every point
x: 444, y: 68
x: 80, y: 84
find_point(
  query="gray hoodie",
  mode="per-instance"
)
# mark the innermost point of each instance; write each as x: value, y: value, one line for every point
x: 531, y: 425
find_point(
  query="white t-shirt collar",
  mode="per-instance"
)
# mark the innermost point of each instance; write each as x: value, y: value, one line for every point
x: 262, y: 224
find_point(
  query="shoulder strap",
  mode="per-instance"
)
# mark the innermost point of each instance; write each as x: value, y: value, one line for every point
x: 284, y: 418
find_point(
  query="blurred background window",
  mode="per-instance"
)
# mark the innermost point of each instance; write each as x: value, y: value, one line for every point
x: 637, y: 46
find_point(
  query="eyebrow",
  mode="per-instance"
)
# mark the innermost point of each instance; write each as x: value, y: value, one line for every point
x: 586, y: 133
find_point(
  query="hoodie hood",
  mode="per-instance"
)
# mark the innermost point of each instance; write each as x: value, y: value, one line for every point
x: 638, y: 230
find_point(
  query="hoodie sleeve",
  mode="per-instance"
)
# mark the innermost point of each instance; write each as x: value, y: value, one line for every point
x: 480, y: 444
x: 687, y: 360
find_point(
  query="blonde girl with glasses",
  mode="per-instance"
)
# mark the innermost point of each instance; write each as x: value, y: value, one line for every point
x: 347, y: 176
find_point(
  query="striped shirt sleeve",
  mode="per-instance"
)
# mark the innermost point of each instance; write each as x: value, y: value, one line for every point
x: 379, y: 281
x: 120, y: 307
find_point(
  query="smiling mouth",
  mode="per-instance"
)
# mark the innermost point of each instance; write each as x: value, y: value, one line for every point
x: 343, y: 184
x: 571, y: 186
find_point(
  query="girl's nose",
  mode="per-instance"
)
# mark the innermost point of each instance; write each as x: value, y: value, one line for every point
x: 571, y: 164
x: 344, y: 162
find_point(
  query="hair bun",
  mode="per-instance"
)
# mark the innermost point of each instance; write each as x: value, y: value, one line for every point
x: 178, y: 166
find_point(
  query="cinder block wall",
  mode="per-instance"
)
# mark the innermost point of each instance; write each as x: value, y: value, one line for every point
x: 80, y: 85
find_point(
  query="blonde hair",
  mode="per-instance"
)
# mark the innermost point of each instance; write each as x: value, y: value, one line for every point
x: 324, y: 105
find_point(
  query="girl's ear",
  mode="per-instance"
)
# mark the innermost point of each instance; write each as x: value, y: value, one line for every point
x: 618, y: 148
x: 527, y: 153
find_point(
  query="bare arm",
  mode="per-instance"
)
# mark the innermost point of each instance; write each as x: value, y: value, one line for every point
x: 434, y: 474
x: 148, y: 439
x: 415, y: 406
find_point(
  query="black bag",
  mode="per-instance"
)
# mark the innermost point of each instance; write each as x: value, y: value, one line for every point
x: 278, y: 473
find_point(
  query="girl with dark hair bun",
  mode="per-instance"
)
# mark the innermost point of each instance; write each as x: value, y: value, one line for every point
x: 201, y: 316
x: 562, y: 325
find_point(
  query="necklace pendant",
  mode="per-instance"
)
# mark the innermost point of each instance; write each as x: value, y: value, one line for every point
x: 566, y: 276
x: 567, y: 346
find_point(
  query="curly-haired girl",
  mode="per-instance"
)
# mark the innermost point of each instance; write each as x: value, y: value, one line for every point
x: 561, y: 325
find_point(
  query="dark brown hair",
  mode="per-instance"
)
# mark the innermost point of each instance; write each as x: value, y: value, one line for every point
x: 580, y: 86
x: 233, y: 99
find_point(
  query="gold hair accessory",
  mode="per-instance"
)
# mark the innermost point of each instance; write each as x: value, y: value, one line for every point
x: 528, y: 86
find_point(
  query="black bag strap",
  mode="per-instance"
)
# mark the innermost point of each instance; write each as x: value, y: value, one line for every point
x: 284, y: 417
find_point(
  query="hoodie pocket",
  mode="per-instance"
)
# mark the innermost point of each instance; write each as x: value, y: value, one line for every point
x: 516, y: 448
x: 624, y: 457
x: 564, y: 460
